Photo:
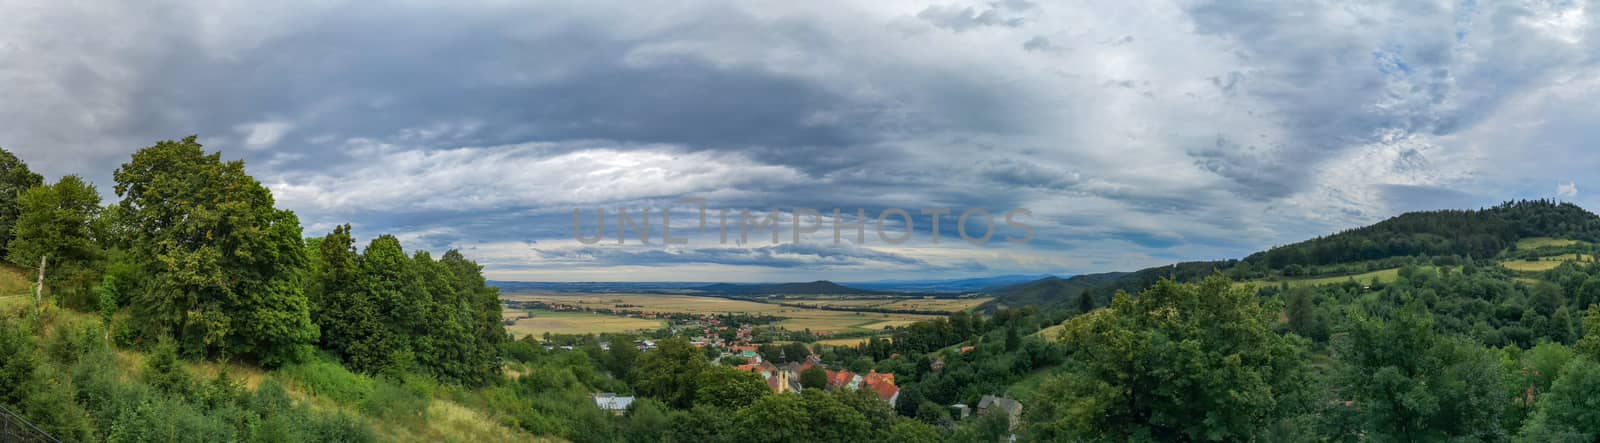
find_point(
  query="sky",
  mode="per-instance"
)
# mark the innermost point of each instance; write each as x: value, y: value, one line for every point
x: 1134, y: 133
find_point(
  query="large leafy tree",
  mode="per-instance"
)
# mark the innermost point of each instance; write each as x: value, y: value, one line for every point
x: 1412, y: 384
x: 483, y: 316
x: 671, y: 373
x: 15, y: 178
x: 1179, y: 362
x: 58, y: 221
x: 225, y: 266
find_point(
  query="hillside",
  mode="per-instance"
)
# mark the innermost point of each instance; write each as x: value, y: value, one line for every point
x: 1477, y: 234
x: 1530, y: 236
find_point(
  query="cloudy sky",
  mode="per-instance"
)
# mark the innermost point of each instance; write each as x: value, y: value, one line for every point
x: 1136, y: 132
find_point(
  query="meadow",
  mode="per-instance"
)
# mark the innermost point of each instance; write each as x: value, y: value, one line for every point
x: 574, y: 323
x: 795, y: 318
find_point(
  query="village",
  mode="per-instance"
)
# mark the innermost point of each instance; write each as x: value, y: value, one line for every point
x: 793, y: 377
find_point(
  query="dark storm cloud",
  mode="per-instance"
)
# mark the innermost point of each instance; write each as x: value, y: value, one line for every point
x: 1222, y: 128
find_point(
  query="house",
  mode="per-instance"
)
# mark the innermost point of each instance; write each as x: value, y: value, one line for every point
x: 843, y: 380
x: 966, y: 349
x: 752, y: 356
x: 961, y: 411
x: 613, y: 403
x: 883, y: 386
x: 990, y: 404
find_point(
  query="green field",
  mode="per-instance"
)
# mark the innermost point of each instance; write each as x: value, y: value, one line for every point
x: 577, y: 323
x: 1385, y: 276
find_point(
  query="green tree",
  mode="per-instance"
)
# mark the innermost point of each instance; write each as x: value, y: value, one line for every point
x: 1085, y: 302
x: 728, y: 388
x: 58, y: 221
x: 671, y: 373
x: 482, y: 316
x: 621, y: 357
x: 389, y: 281
x: 226, y: 266
x: 1412, y: 384
x: 15, y: 178
x: 1179, y: 362
x: 1303, y: 318
x: 1568, y: 412
x: 813, y: 378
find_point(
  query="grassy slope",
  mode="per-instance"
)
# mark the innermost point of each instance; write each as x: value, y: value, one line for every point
x: 444, y: 420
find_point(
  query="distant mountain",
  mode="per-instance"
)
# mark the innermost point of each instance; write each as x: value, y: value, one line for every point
x: 1051, y: 290
x: 820, y: 287
x: 946, y: 286
x: 512, y: 287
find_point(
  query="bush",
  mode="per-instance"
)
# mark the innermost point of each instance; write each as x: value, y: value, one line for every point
x: 326, y: 378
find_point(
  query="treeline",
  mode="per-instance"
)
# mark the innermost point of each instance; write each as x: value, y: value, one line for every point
x: 383, y: 311
x: 196, y: 253
x: 196, y: 260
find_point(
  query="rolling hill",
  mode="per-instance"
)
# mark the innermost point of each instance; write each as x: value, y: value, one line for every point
x: 1489, y: 233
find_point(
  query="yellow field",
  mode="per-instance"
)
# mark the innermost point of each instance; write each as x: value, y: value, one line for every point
x: 844, y: 341
x: 1545, y: 263
x: 1541, y: 242
x: 578, y: 323
x: 795, y: 318
x: 904, y: 304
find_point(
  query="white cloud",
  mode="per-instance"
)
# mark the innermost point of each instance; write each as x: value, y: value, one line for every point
x: 525, y: 175
x: 1567, y: 190
x: 262, y: 135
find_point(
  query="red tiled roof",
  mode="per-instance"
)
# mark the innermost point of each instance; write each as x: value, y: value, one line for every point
x: 885, y: 391
x: 966, y: 349
x: 840, y: 378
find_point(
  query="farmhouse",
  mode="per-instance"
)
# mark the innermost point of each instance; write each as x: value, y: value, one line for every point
x: 990, y: 404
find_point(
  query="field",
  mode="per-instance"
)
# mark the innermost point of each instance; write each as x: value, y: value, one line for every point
x: 844, y: 341
x: 795, y: 318
x: 903, y: 304
x: 1545, y: 263
x: 1385, y: 275
x: 576, y: 323
x: 1543, y: 242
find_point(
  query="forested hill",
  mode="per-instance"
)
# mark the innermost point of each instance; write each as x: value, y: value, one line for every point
x: 1476, y: 234
x: 1455, y: 234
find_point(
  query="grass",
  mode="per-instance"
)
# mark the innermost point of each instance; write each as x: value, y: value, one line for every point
x: 795, y: 318
x: 579, y: 323
x: 435, y: 420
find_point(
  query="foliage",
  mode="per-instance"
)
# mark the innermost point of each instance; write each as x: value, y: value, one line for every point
x: 226, y: 264
x: 58, y: 221
x: 15, y: 179
x: 1181, y: 361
